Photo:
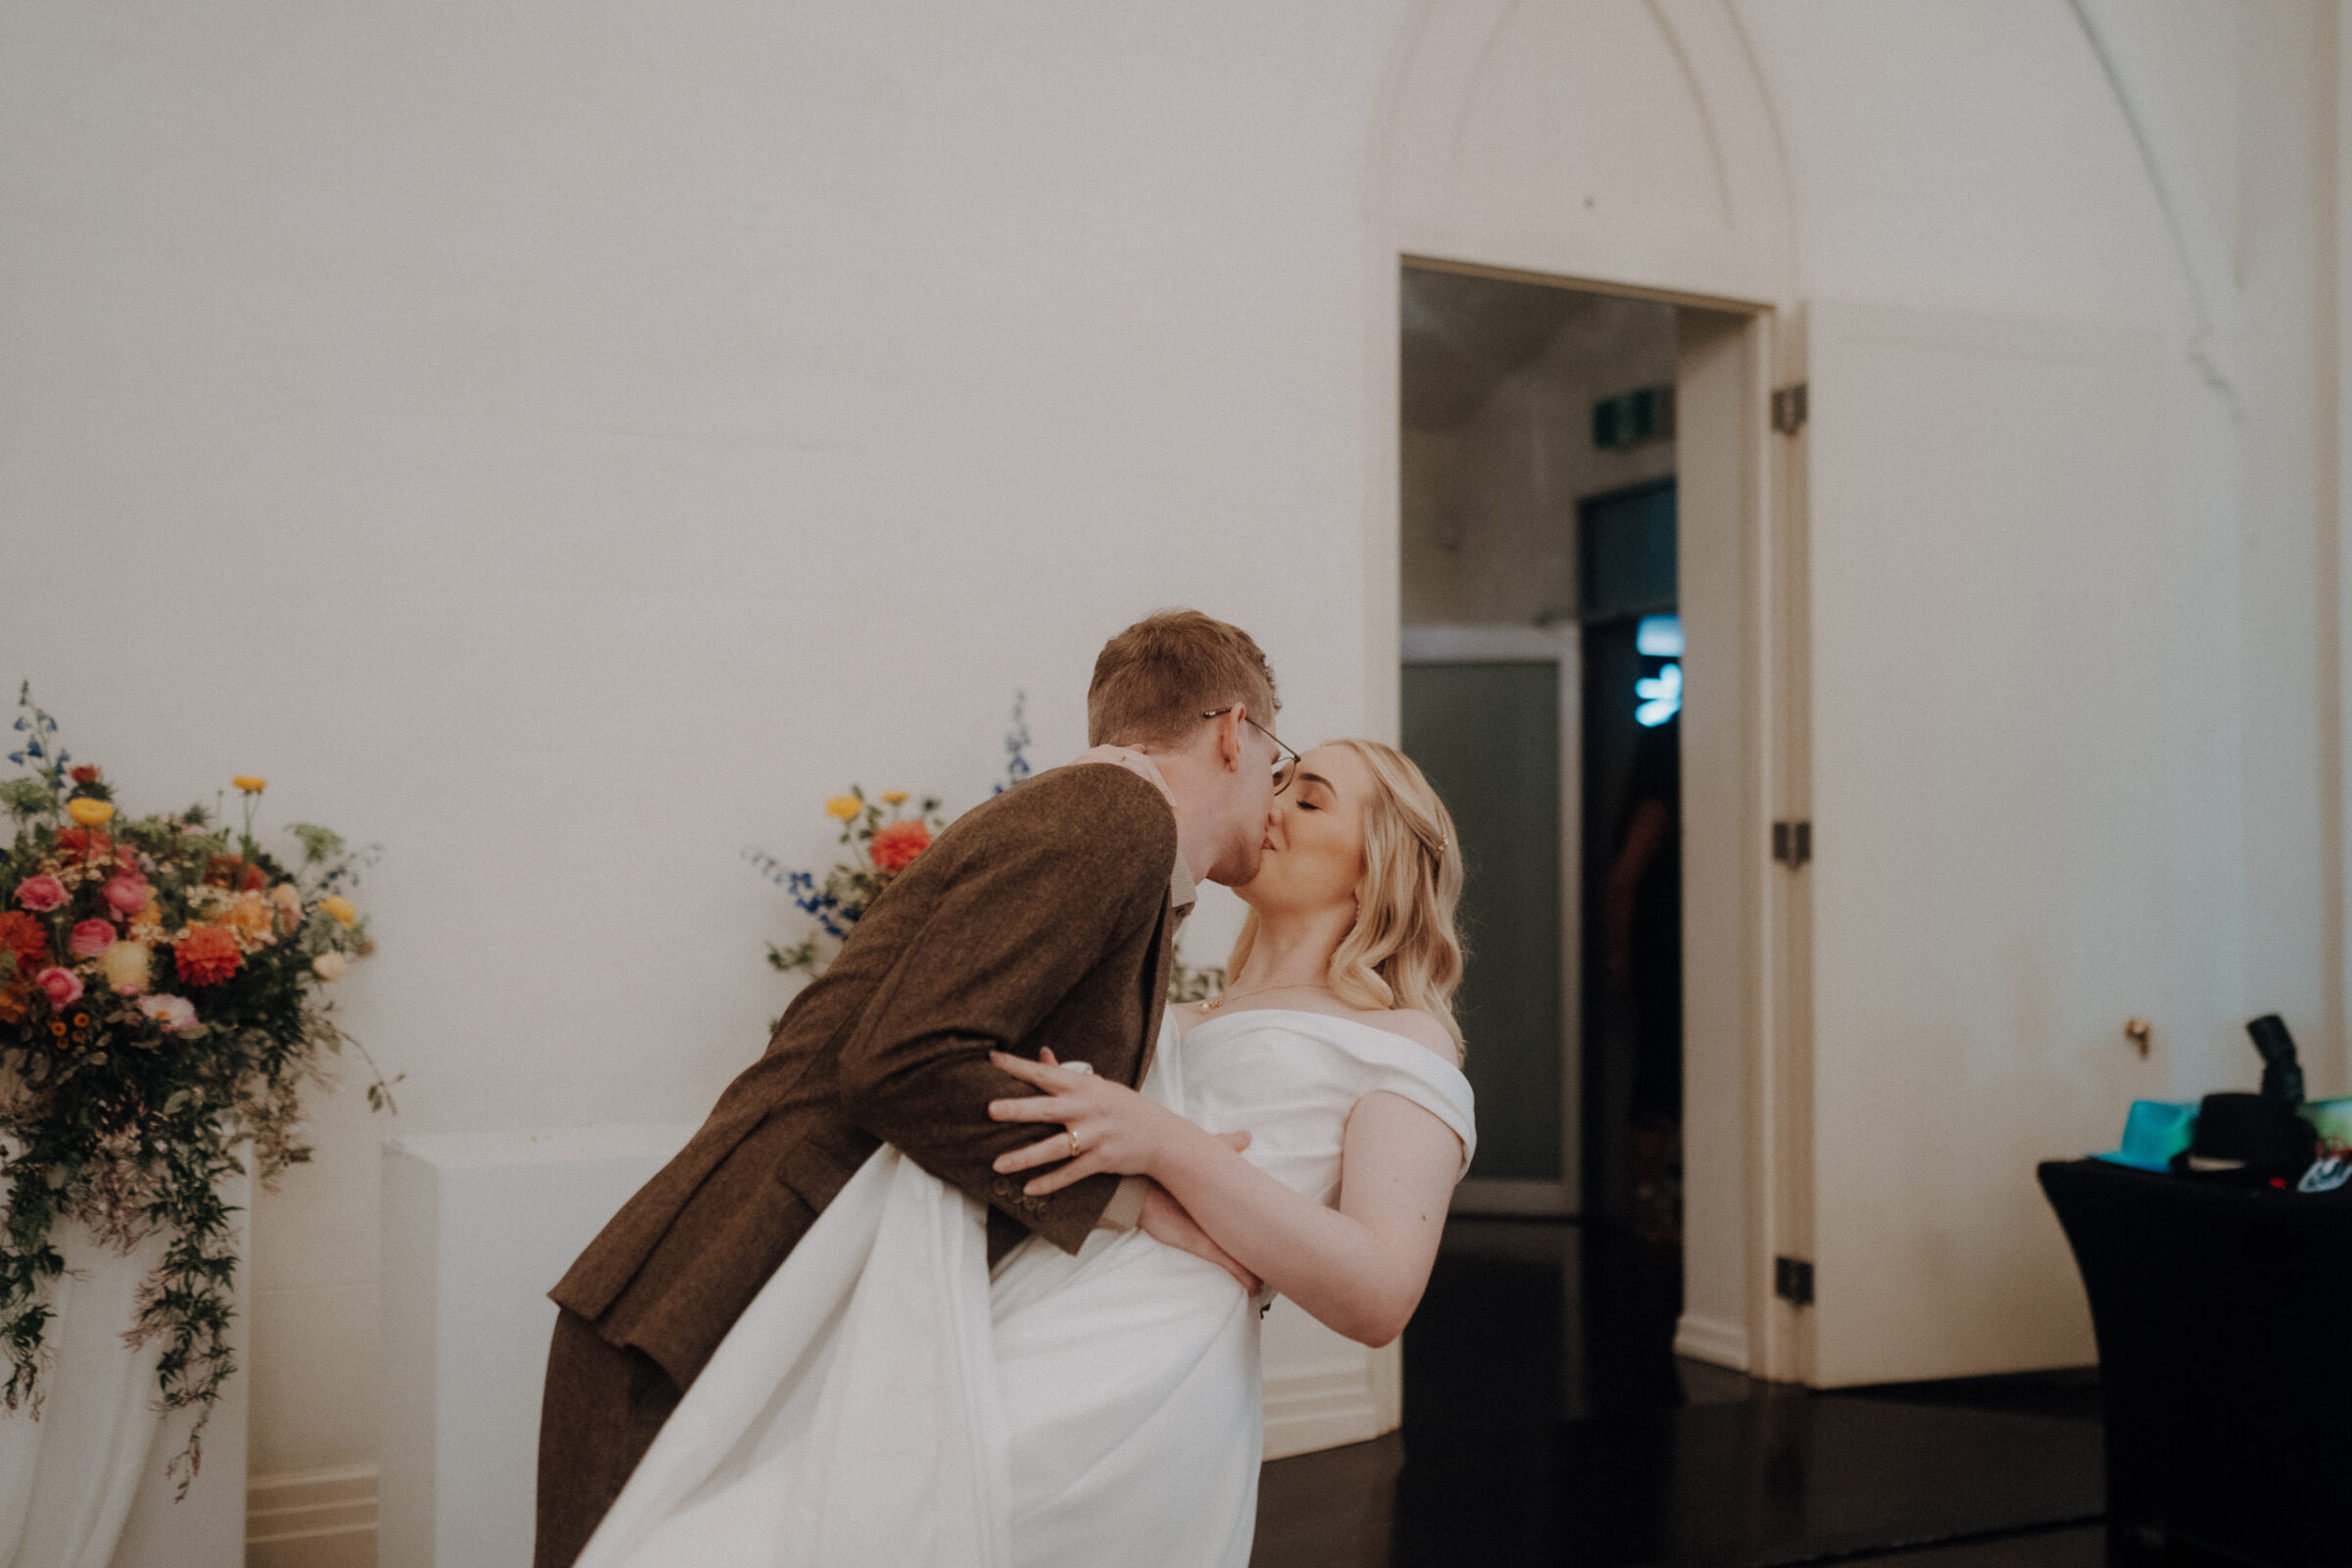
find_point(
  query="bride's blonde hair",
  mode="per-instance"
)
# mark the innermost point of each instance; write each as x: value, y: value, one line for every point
x: 1402, y: 952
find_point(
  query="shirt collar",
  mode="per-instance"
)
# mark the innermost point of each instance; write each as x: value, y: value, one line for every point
x: 1182, y: 891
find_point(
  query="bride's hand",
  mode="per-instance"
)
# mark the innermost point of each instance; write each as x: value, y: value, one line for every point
x: 1108, y: 1127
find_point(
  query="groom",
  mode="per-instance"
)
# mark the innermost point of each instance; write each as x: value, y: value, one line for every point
x: 1043, y: 919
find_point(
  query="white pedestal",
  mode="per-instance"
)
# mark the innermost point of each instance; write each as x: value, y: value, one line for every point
x: 95, y: 1462
x: 477, y: 1228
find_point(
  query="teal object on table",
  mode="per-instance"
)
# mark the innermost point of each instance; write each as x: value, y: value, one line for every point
x: 2157, y: 1130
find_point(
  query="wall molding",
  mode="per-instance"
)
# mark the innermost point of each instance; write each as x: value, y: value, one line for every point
x: 1718, y: 1341
x: 2198, y: 236
x: 1312, y: 1411
x: 312, y: 1518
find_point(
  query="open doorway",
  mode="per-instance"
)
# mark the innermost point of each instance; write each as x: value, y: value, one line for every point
x: 1549, y: 591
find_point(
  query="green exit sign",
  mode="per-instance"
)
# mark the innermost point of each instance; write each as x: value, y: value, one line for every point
x: 1628, y: 419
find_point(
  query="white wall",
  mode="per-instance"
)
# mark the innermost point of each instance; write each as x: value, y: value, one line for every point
x: 1908, y: 191
x: 563, y: 443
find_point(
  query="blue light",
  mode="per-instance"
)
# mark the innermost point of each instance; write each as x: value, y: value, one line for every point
x: 1661, y: 697
x: 1659, y: 636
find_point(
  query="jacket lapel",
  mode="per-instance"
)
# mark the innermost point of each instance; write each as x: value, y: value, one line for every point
x: 1163, y: 957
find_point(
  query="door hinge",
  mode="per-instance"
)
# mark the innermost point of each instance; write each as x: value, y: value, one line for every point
x: 1792, y: 1281
x: 1789, y: 407
x: 1792, y: 843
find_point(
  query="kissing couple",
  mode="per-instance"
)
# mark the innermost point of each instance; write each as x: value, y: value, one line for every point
x: 967, y: 1271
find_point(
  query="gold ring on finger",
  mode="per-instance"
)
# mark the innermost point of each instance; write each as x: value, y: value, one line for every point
x: 1076, y: 1148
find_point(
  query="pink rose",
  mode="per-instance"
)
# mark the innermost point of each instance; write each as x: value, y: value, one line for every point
x: 90, y: 938
x: 63, y: 987
x: 41, y: 893
x: 177, y: 1014
x: 126, y: 894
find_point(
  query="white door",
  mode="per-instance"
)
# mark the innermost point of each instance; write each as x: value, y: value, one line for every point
x: 1993, y: 812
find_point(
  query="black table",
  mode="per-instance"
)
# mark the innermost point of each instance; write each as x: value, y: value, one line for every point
x: 2224, y: 1316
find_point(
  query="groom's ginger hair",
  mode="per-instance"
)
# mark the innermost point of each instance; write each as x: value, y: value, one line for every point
x: 1155, y: 680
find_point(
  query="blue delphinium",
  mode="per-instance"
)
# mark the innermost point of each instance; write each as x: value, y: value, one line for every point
x: 40, y: 750
x: 1016, y: 746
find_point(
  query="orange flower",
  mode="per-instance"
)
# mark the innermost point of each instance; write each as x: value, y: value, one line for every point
x: 249, y: 914
x: 896, y: 846
x: 90, y: 844
x: 27, y: 937
x: 207, y: 955
x: 230, y: 871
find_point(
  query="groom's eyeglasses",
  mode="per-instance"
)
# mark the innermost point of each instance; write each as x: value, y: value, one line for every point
x: 1285, y: 760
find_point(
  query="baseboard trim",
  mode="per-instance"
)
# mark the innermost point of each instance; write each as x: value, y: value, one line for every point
x: 1320, y: 1411
x: 326, y: 1518
x: 312, y: 1518
x: 1713, y: 1339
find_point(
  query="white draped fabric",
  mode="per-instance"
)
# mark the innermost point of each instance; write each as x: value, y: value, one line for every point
x: 884, y: 1401
x: 66, y: 1481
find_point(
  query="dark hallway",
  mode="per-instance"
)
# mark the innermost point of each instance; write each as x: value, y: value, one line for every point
x: 1548, y: 1421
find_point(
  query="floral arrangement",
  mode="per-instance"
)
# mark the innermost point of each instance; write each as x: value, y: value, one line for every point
x: 162, y: 1006
x: 882, y: 839
x: 882, y: 845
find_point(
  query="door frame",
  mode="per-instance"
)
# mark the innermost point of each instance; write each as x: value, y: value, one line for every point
x: 1557, y: 645
x: 1771, y: 1338
x: 1429, y: 202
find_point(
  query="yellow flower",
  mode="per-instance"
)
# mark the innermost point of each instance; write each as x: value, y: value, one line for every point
x: 126, y: 966
x: 340, y: 908
x: 843, y: 806
x: 894, y: 796
x: 89, y: 813
x: 250, y: 784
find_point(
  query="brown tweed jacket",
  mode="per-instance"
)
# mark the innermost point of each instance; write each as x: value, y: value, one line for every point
x: 1039, y: 919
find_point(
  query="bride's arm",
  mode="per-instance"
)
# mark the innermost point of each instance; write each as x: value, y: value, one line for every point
x: 1359, y: 1268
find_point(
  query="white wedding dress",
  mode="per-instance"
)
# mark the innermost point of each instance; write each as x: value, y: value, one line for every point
x: 884, y: 1401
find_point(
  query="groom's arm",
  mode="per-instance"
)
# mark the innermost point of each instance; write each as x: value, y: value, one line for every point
x: 1071, y: 866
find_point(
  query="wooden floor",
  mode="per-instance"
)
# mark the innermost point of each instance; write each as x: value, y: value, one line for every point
x: 1548, y: 1421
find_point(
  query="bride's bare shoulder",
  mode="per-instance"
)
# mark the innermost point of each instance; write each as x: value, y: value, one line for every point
x: 1421, y: 1028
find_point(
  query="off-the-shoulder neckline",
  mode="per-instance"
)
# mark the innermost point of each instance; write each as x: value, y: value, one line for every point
x: 1417, y: 1047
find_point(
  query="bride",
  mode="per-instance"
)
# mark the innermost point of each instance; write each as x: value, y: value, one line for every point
x: 884, y: 1399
